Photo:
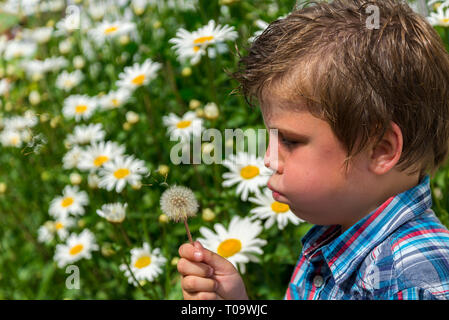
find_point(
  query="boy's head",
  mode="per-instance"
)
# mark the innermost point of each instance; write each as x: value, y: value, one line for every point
x: 378, y: 92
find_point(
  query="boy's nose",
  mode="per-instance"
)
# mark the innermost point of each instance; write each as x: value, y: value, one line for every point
x: 271, y: 158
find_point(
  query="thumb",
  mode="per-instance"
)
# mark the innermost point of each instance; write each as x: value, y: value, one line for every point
x: 218, y: 263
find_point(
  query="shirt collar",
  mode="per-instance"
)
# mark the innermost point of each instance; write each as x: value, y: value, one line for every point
x: 344, y: 252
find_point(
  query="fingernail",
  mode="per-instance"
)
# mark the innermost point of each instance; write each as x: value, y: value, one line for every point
x: 197, y: 244
x: 198, y: 255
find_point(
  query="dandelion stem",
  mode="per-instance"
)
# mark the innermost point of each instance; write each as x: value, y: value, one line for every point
x: 189, y: 235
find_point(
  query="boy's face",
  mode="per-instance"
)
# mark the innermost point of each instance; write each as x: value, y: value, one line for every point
x: 309, y: 168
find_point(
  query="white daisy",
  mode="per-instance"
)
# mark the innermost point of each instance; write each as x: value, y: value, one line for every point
x: 146, y: 264
x: 272, y: 210
x: 55, y: 63
x: 75, y: 20
x: 46, y: 232
x: 107, y: 30
x: 184, y: 127
x: 41, y: 35
x: 138, y: 75
x: 238, y: 243
x: 20, y: 123
x: 97, y: 10
x: 17, y: 49
x: 36, y: 68
x: 62, y: 224
x: 79, y: 107
x: 76, y: 247
x: 11, y: 138
x: 139, y: 6
x: 115, y: 99
x: 113, y: 212
x: 72, y: 201
x: 5, y: 86
x: 248, y: 172
x: 68, y: 80
x: 435, y: 4
x: 121, y: 170
x: 85, y: 134
x: 262, y: 25
x: 192, y: 45
x: 98, y: 154
x: 440, y: 17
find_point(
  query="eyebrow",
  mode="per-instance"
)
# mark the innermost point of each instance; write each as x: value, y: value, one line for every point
x: 291, y: 133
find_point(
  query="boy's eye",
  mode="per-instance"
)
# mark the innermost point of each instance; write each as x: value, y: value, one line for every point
x: 288, y: 143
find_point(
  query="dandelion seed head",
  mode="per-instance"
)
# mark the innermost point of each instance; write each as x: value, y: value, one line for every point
x: 179, y: 202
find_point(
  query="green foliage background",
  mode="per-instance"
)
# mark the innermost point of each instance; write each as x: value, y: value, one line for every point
x: 27, y: 269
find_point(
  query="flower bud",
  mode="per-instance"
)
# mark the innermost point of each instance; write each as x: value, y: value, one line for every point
x: 163, y: 218
x: 163, y: 169
x: 75, y: 178
x: 208, y: 214
x: 132, y: 117
x: 186, y: 72
x: 79, y: 62
x: 2, y: 187
x: 174, y: 261
x: 34, y: 97
x: 193, y: 104
x: 211, y: 111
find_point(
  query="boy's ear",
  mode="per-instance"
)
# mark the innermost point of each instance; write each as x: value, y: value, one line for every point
x: 387, y: 152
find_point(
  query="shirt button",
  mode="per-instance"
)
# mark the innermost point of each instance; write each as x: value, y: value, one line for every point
x: 318, y: 281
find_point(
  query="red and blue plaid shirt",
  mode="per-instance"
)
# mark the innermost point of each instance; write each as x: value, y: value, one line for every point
x: 398, y: 251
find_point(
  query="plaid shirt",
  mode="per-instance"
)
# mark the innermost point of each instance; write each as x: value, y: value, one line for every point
x: 399, y: 251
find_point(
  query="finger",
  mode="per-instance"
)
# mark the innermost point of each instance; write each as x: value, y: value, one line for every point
x: 201, y: 296
x: 197, y: 284
x: 199, y: 269
x: 190, y: 252
x: 217, y: 262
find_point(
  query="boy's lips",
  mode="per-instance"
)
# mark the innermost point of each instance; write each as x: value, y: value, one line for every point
x: 276, y: 194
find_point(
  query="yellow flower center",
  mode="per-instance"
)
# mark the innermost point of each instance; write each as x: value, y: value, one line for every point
x: 229, y: 247
x: 80, y: 108
x: 110, y: 30
x: 202, y: 40
x: 76, y: 249
x: 115, y: 102
x: 183, y: 124
x: 121, y: 173
x: 66, y: 202
x: 100, y: 160
x: 138, y: 81
x: 142, y: 262
x: 279, y: 207
x: 445, y: 20
x: 249, y: 172
x: 59, y: 225
x: 14, y: 140
x: 68, y: 83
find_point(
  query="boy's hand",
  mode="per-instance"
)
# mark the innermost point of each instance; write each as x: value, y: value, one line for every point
x: 208, y: 276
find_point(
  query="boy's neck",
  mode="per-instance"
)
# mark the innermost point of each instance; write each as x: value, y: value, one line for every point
x: 392, y: 184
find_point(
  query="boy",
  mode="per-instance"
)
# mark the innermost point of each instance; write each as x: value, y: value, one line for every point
x: 363, y: 118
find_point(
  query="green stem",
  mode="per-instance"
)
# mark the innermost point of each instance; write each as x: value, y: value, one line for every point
x: 211, y: 79
x: 171, y: 80
x: 136, y: 281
